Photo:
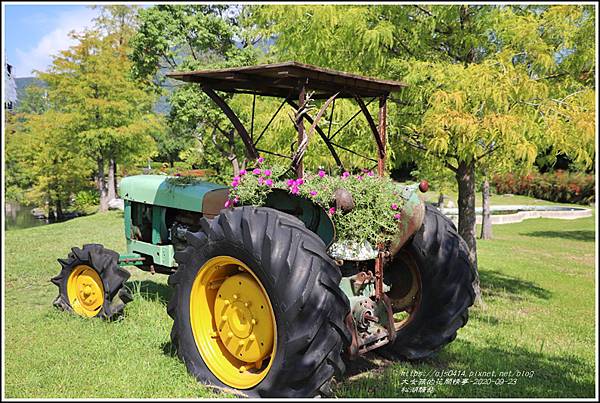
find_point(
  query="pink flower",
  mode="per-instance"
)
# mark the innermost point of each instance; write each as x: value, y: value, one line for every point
x: 313, y: 192
x: 299, y: 181
x: 332, y: 211
x: 269, y: 182
x: 295, y: 190
x: 234, y: 184
x: 345, y: 174
x: 394, y: 206
x: 365, y: 170
x: 242, y: 172
x: 358, y: 177
x: 261, y: 160
x: 397, y: 216
x: 370, y: 173
x: 227, y: 203
x: 236, y: 200
x: 257, y: 171
x: 291, y: 182
x: 260, y: 180
x: 267, y: 172
x: 321, y: 173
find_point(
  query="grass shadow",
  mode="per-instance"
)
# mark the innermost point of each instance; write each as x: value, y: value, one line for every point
x: 169, y: 349
x: 151, y: 290
x: 495, y: 283
x: 547, y: 375
x: 580, y: 235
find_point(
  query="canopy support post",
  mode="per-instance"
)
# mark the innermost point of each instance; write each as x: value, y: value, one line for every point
x: 382, y: 134
x: 251, y: 152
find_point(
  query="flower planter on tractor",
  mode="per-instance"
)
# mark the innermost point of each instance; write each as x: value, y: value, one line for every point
x: 260, y: 304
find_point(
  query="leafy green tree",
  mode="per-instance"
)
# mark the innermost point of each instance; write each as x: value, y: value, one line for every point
x: 92, y: 82
x: 56, y: 164
x: 485, y: 82
x: 190, y: 37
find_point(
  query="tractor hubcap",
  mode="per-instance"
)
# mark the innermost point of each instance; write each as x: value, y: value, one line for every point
x: 85, y: 291
x: 233, y: 322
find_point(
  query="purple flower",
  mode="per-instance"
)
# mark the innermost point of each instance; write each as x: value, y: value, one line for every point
x: 359, y: 177
x: 345, y: 174
x: 260, y: 180
x: 299, y: 181
x: 257, y: 171
x: 267, y: 172
x: 291, y: 182
x: 242, y: 172
x: 234, y: 184
x: 269, y: 182
x: 295, y: 190
x: 332, y: 211
x: 397, y: 216
x: 365, y: 170
x: 370, y: 173
x: 394, y: 206
x: 227, y: 203
x: 261, y: 160
x: 313, y: 192
x: 321, y: 173
x: 236, y: 200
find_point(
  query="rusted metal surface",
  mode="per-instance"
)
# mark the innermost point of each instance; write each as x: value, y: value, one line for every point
x: 382, y: 135
x: 361, y: 280
x: 297, y: 162
x: 390, y: 318
x: 343, y: 200
x: 411, y: 218
x: 239, y: 127
x: 279, y: 79
x: 352, y: 350
x: 379, y: 277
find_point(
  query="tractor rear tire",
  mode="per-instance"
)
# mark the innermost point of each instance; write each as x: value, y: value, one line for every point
x: 91, y: 283
x: 441, y: 258
x: 264, y: 249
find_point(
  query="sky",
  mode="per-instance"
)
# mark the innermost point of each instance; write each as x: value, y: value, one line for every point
x: 33, y: 33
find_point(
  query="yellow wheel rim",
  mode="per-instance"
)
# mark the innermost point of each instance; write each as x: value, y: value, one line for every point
x: 85, y: 291
x: 233, y: 322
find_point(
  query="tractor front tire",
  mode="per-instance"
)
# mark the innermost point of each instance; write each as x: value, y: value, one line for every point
x: 91, y: 283
x: 439, y: 260
x: 256, y: 307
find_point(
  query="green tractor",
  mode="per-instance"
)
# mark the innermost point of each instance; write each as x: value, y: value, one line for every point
x: 266, y: 301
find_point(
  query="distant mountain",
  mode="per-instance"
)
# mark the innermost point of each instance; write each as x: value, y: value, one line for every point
x: 161, y: 107
x: 23, y: 83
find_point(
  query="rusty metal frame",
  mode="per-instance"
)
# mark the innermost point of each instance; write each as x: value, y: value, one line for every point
x: 252, y: 152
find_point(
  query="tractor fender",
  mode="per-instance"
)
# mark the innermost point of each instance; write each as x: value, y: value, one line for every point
x: 412, y: 215
x: 314, y: 217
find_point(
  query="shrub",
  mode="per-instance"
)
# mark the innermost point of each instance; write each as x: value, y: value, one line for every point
x: 558, y: 186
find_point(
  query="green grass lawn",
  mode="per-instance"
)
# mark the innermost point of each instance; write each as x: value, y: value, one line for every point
x: 538, y: 280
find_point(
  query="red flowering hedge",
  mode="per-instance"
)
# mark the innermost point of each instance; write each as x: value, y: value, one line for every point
x: 557, y: 186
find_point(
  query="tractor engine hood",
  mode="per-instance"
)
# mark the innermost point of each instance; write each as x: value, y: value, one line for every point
x: 199, y: 196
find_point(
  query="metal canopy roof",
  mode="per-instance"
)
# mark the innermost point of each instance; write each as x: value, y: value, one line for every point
x: 286, y: 79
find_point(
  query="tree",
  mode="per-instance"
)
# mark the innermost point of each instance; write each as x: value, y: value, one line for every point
x: 484, y: 81
x: 92, y: 82
x: 189, y: 37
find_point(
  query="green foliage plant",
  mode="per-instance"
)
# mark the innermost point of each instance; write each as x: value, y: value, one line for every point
x: 377, y: 203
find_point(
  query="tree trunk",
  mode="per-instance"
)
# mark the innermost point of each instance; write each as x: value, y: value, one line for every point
x: 111, y: 193
x: 115, y: 180
x: 101, y: 184
x: 59, y: 211
x: 465, y: 176
x: 486, y: 219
